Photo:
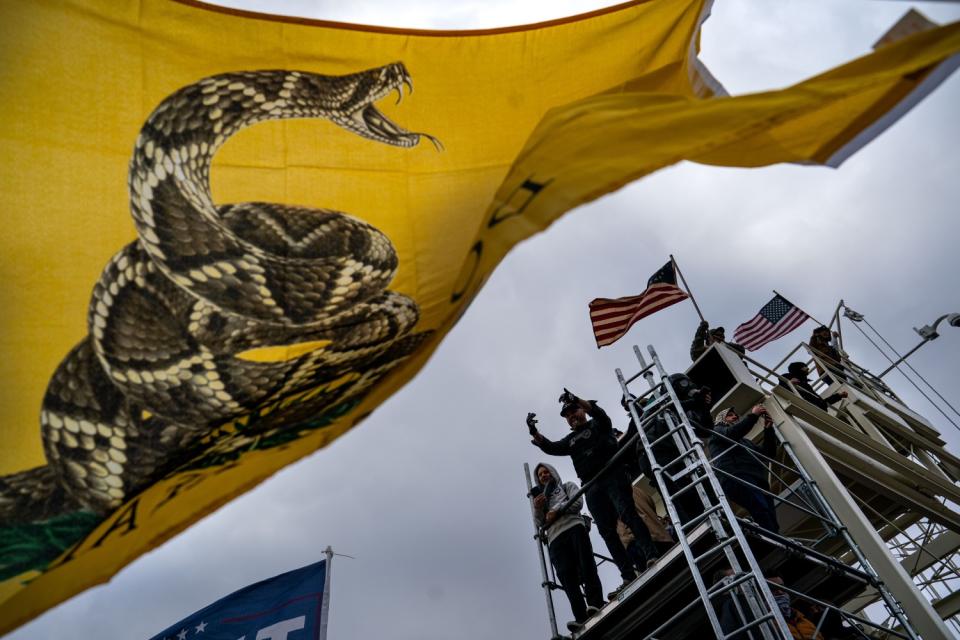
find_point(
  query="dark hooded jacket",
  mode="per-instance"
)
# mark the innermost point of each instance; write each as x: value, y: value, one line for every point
x: 830, y: 354
x: 667, y: 450
x: 738, y: 460
x: 701, y: 342
x: 807, y: 393
x: 590, y: 446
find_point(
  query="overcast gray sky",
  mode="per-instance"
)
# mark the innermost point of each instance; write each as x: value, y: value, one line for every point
x: 428, y: 493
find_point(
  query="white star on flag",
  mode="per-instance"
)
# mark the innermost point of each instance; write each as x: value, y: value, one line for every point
x: 182, y: 635
x: 201, y: 627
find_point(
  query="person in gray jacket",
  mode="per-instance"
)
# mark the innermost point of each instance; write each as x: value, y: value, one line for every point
x: 568, y: 543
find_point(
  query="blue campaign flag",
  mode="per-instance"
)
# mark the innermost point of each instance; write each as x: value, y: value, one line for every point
x: 290, y: 606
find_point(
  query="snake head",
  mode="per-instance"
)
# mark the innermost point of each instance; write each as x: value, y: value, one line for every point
x: 358, y: 114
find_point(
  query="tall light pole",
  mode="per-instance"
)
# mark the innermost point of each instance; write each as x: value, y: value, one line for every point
x: 928, y: 333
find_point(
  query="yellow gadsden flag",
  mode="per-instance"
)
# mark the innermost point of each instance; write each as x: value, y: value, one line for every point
x: 229, y: 237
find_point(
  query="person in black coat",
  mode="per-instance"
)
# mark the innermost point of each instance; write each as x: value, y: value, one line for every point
x: 696, y: 402
x: 797, y: 373
x: 704, y: 337
x: 742, y: 474
x: 590, y: 446
x: 831, y: 356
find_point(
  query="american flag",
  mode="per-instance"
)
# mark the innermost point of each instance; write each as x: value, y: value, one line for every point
x: 776, y: 319
x: 613, y: 318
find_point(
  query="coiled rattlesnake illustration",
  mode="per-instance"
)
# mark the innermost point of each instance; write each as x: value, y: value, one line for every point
x: 173, y: 312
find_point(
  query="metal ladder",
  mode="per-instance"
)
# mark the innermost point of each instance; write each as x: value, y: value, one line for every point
x: 763, y: 616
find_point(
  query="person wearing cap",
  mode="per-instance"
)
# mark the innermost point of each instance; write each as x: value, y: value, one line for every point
x: 831, y: 356
x: 568, y: 543
x: 743, y: 474
x: 703, y: 338
x: 797, y: 373
x: 590, y: 446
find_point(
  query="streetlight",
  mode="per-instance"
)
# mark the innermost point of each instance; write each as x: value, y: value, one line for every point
x: 928, y: 333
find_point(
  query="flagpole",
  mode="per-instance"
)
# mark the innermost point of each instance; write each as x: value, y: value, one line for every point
x: 325, y: 602
x: 836, y: 319
x: 687, y: 287
x: 785, y: 298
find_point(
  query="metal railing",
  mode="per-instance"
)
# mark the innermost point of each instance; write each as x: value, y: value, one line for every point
x: 749, y: 590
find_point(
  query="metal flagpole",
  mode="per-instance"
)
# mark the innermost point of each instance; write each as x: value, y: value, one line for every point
x: 325, y: 602
x: 687, y: 287
x: 836, y: 318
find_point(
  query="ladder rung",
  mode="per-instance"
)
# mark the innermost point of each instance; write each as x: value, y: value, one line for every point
x: 688, y: 452
x: 756, y: 623
x: 669, y: 433
x: 736, y: 582
x: 693, y: 483
x: 714, y: 549
x: 700, y: 518
x: 698, y: 464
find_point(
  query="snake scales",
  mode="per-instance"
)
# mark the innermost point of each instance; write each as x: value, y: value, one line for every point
x: 206, y: 282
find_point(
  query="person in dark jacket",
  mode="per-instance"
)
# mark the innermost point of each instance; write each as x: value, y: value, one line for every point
x: 797, y: 373
x: 590, y: 446
x: 833, y: 359
x: 741, y: 473
x: 568, y: 543
x: 704, y: 337
x: 696, y: 402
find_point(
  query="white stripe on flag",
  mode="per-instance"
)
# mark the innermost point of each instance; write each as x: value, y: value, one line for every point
x: 761, y: 333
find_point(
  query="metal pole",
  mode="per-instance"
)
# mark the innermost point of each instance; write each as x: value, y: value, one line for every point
x: 325, y: 600
x: 687, y: 287
x: 543, y: 561
x: 839, y: 329
x: 903, y: 357
x: 922, y: 616
x: 835, y: 318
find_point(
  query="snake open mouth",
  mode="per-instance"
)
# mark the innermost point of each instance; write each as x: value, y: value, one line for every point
x: 382, y: 128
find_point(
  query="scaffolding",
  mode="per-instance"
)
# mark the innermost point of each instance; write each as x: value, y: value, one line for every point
x: 866, y: 501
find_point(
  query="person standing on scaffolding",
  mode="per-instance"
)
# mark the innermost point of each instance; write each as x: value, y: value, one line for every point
x: 743, y: 473
x: 568, y: 543
x: 704, y: 337
x: 797, y: 373
x: 590, y: 446
x: 695, y: 402
x: 831, y: 356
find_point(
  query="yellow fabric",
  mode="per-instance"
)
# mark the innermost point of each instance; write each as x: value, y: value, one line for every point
x: 533, y: 121
x: 801, y: 628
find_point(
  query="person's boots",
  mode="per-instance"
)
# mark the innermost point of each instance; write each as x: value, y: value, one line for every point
x: 626, y: 583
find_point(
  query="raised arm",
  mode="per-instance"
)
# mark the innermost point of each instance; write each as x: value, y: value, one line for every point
x: 558, y: 448
x: 699, y: 344
x: 741, y: 428
x: 598, y: 415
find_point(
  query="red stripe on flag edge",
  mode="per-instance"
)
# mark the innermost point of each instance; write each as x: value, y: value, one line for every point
x: 609, y: 309
x: 607, y: 321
